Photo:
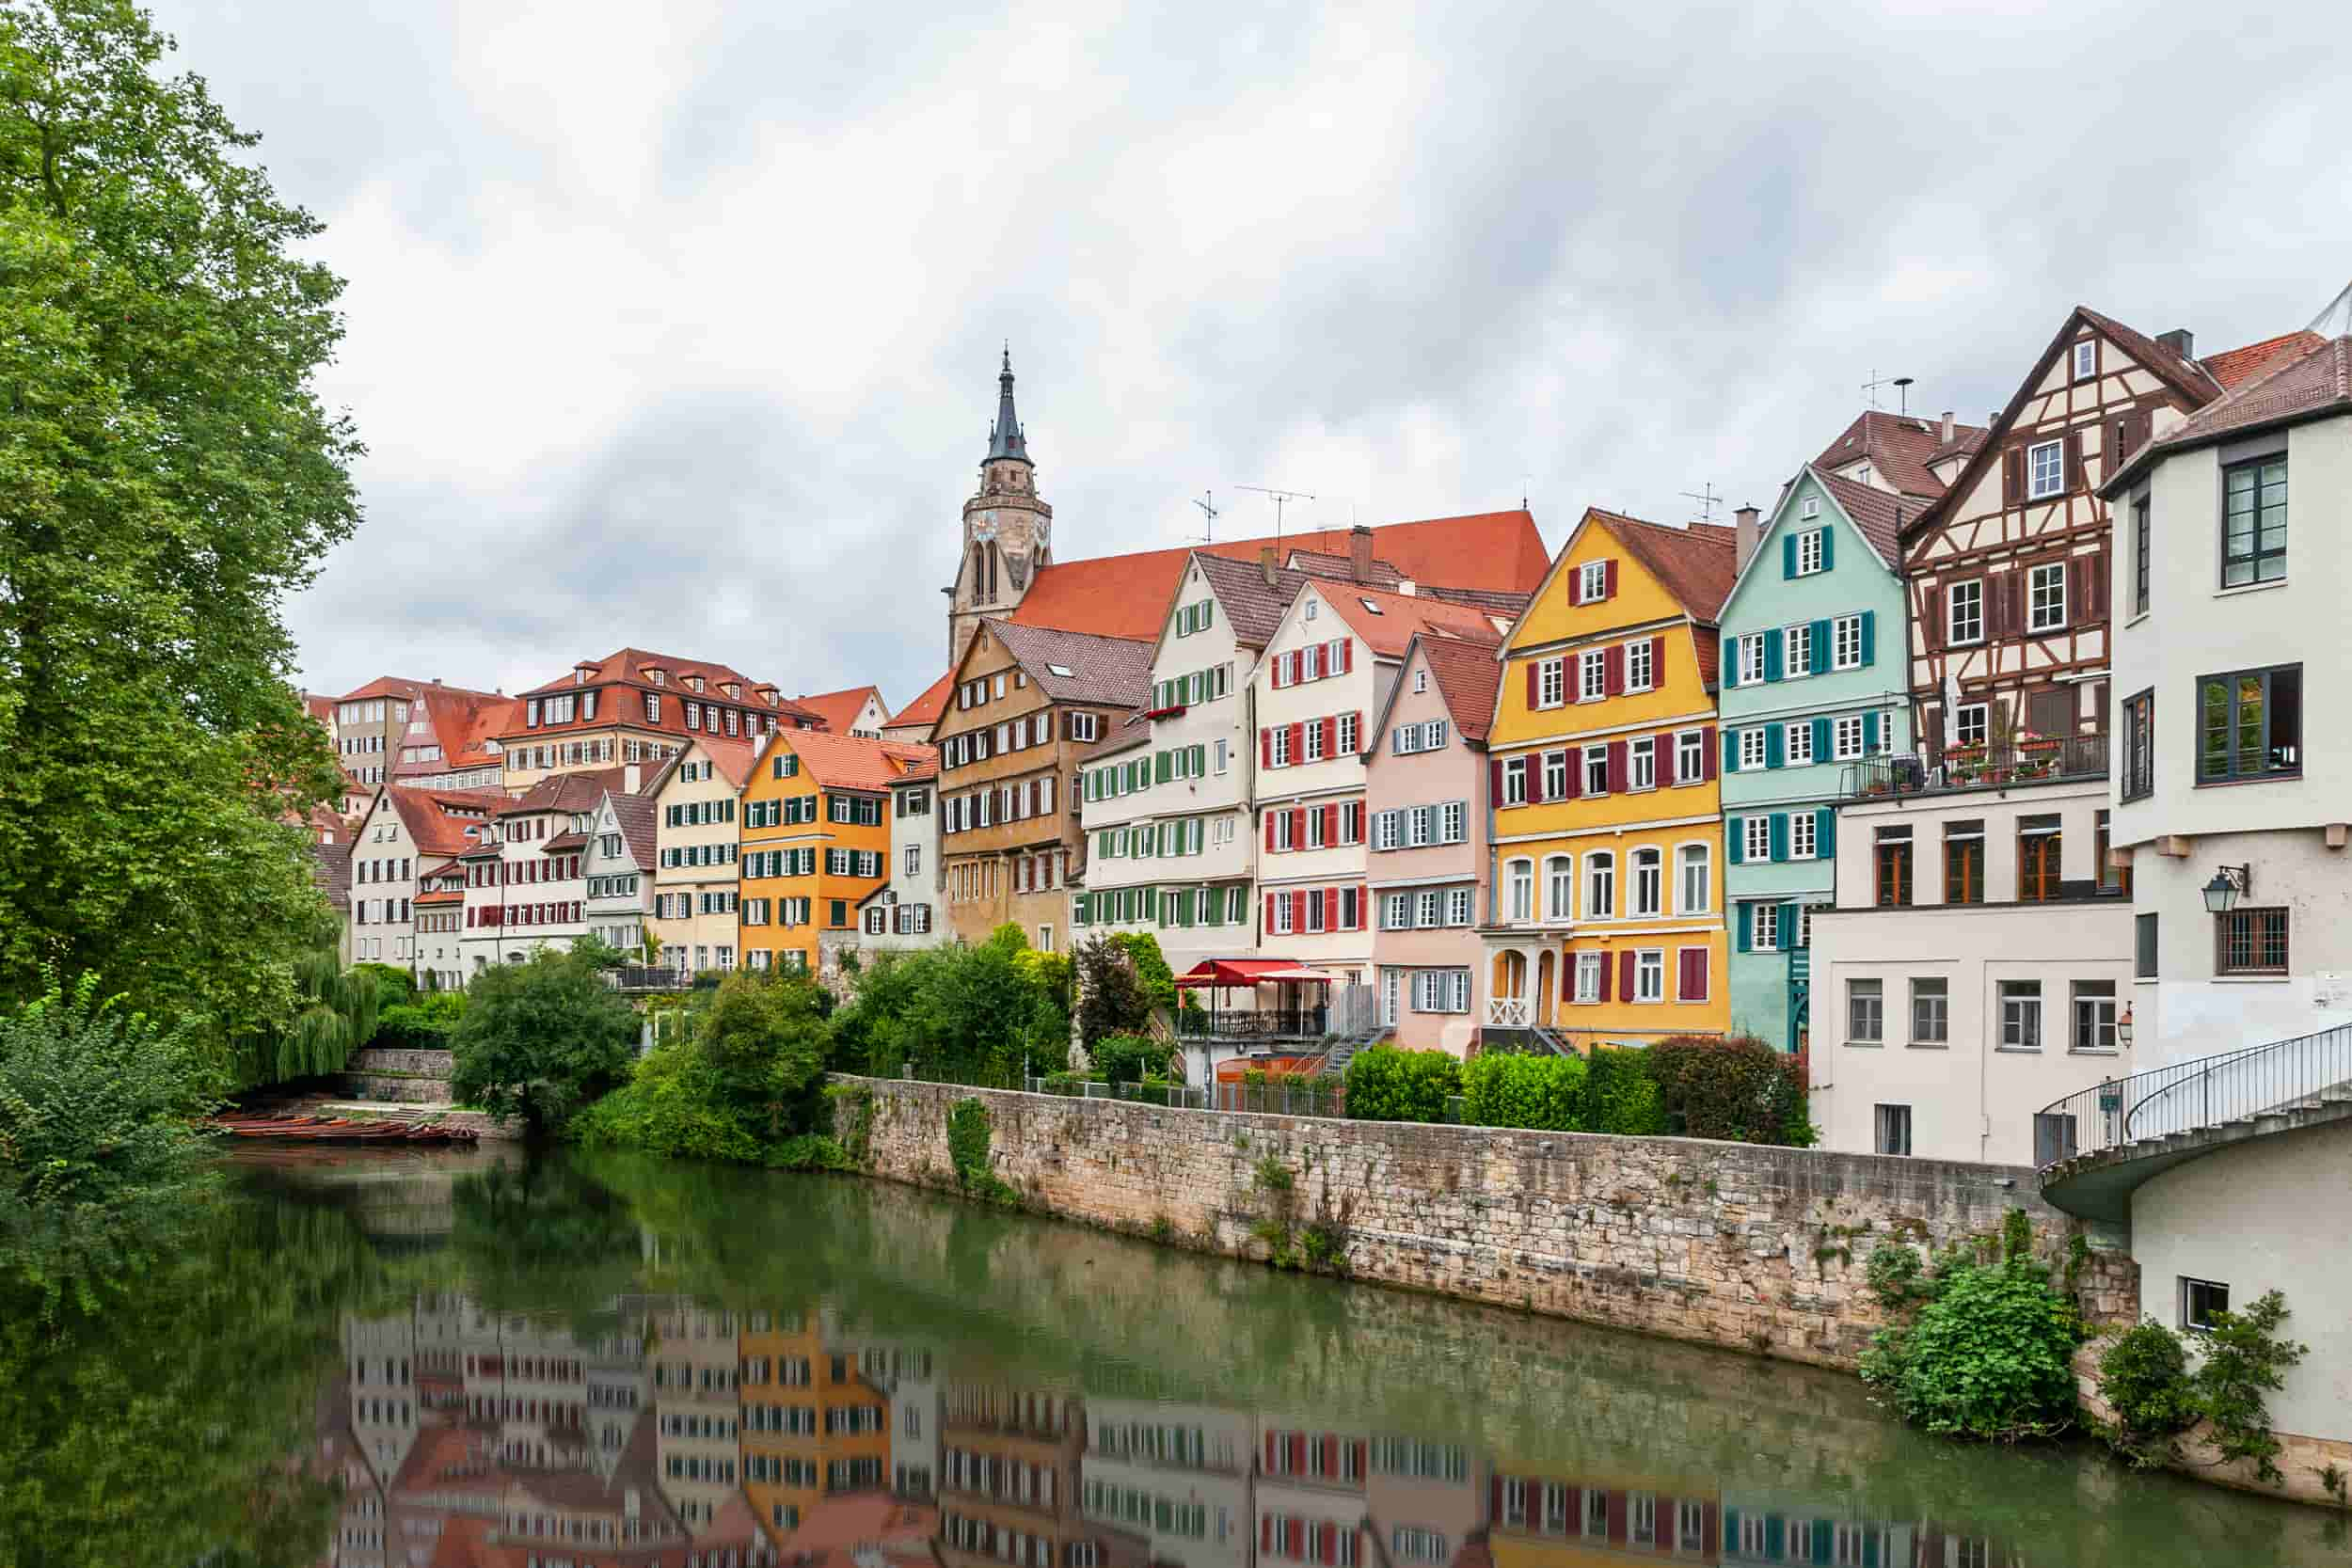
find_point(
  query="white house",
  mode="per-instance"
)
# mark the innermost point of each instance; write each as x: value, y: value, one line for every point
x: 900, y: 914
x: 620, y: 866
x: 530, y: 889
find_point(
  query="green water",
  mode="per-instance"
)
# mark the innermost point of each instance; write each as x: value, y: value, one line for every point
x: 406, y: 1360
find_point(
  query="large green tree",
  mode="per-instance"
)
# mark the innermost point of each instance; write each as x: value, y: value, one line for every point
x: 167, y: 475
x: 541, y: 1039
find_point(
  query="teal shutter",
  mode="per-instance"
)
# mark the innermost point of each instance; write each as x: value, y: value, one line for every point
x: 1788, y: 555
x: 1871, y: 732
x: 1779, y: 835
x: 1821, y: 647
x: 1820, y: 739
x: 1744, y: 912
x: 1869, y: 637
x: 1731, y: 752
x: 1737, y: 840
x: 1822, y: 1539
x: 1789, y: 930
x: 1163, y: 764
x: 1829, y: 547
x: 1773, y: 751
x: 1208, y: 612
x: 1773, y: 641
x: 1825, y: 832
x: 1775, y: 1537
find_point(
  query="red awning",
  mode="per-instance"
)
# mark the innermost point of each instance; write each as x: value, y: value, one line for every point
x: 1237, y: 971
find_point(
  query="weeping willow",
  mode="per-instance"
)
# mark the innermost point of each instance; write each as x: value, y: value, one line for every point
x: 334, y: 1015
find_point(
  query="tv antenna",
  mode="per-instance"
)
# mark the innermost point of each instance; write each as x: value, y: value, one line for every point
x: 1206, y: 502
x: 1280, y: 499
x: 1901, y: 383
x: 1705, y: 495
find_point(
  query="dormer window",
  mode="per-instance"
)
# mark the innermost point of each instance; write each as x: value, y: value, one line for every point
x: 694, y: 682
x: 733, y: 689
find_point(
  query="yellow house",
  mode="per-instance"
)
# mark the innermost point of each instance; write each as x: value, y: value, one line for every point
x: 1606, y: 918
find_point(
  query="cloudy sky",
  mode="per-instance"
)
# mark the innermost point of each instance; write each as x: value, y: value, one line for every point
x: 676, y: 325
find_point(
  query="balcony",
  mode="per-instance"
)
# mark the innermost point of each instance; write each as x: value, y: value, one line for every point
x: 637, y: 979
x: 2024, y: 760
x: 1257, y: 1023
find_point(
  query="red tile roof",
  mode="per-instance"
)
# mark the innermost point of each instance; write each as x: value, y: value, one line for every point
x: 1697, y: 564
x: 1899, y: 447
x: 1877, y: 513
x: 852, y: 761
x: 839, y: 709
x: 2233, y: 368
x: 1466, y: 678
x: 427, y: 818
x: 627, y: 668
x: 401, y: 686
x: 462, y: 724
x: 735, y: 760
x: 2312, y: 384
x: 1388, y: 621
x: 1128, y: 596
x: 928, y: 706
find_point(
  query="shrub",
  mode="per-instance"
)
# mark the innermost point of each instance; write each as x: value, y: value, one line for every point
x: 968, y: 1136
x: 393, y: 986
x: 672, y: 1104
x: 2243, y: 1356
x: 1621, y: 1097
x: 1388, y: 1084
x: 1509, y: 1089
x: 1739, y: 1089
x: 1112, y: 997
x: 424, y: 1024
x: 1128, y: 1058
x: 1988, y: 1356
x: 2143, y: 1376
x: 540, y: 1039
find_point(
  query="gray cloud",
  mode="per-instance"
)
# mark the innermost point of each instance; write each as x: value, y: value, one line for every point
x: 676, y: 325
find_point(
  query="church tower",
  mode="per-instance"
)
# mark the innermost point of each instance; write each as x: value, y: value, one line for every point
x: 1008, y: 533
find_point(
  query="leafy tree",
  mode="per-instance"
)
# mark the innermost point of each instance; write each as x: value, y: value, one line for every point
x: 1389, y: 1084
x: 1112, y: 997
x: 337, y: 1013
x: 541, y: 1038
x: 1132, y: 1058
x: 2244, y: 1357
x: 2143, y: 1376
x: 167, y: 475
x: 1143, y: 949
x: 765, y: 1039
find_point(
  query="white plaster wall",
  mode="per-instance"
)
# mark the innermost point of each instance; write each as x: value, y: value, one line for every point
x: 2257, y: 1216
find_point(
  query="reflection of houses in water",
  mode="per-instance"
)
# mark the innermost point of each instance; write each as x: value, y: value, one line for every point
x: 693, y: 1366
x: 359, y: 1523
x: 379, y: 1355
x: 1543, y: 1522
x: 1425, y: 1498
x: 1009, y: 1483
x: 1311, y: 1500
x: 1761, y: 1530
x: 904, y: 1372
x: 1177, y: 1475
x: 813, y: 1425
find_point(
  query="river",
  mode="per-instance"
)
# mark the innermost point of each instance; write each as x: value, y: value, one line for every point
x: 445, y: 1360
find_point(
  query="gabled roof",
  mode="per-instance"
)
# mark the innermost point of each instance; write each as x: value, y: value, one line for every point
x: 426, y: 818
x: 1074, y: 667
x: 627, y: 667
x: 635, y: 814
x: 1128, y: 596
x: 402, y: 687
x: 852, y: 761
x: 462, y: 724
x: 1898, y: 448
x: 1465, y: 678
x: 920, y: 763
x: 1695, y: 563
x: 1878, y: 515
x: 1388, y: 623
x: 2310, y: 384
x: 2186, y: 376
x: 735, y: 759
x: 579, y: 791
x: 927, y: 704
x: 839, y: 709
x: 1252, y: 606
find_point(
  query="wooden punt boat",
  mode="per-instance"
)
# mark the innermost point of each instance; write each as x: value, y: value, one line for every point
x: 308, y: 1128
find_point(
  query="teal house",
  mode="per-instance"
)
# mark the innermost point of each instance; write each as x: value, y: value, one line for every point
x: 1814, y: 702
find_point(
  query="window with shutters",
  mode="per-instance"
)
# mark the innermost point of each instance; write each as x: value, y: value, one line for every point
x: 1551, y: 683
x: 1640, y: 763
x: 1640, y: 675
x: 1592, y: 583
x: 1755, y: 746
x: 1596, y: 763
x: 1458, y: 906
x: 1649, y: 974
x: 1964, y: 608
x: 1748, y: 659
x: 1809, y: 550
x: 1592, y: 683
x: 1279, y: 746
x: 1801, y: 839
x: 1420, y: 822
x: 1313, y: 740
x: 1846, y: 737
x: 1845, y: 642
x: 1796, y: 743
x: 1600, y: 885
x: 1555, y: 775
x: 1348, y: 743
x: 1453, y: 821
x: 2045, y: 469
x: 1764, y: 927
x: 2045, y: 598
x: 1395, y: 912
x: 1515, y: 780
x: 1315, y: 827
x: 1427, y: 908
x: 1797, y: 650
x: 1387, y: 830
x: 1588, y: 975
x: 1690, y: 756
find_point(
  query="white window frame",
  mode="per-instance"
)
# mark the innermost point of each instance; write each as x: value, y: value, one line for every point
x: 1592, y: 582
x: 1515, y: 778
x: 1844, y: 642
x: 1974, y: 589
x: 1279, y: 749
x: 1519, y: 884
x: 1845, y: 728
x: 1690, y: 756
x: 2036, y: 620
x: 1983, y: 724
x: 1748, y: 659
x: 1756, y: 837
x: 1809, y: 550
x: 1592, y: 675
x: 1560, y: 887
x: 1764, y: 927
x: 1689, y: 857
x: 1588, y: 975
x: 1645, y: 872
x: 1594, y: 762
x: 1791, y: 638
x: 1600, y: 885
x: 1804, y: 840
x: 1640, y: 763
x: 1754, y: 749
x: 1648, y: 681
x: 1453, y: 821
x: 1458, y: 907
x: 2086, y: 359
x: 1796, y: 743
x: 2038, y: 486
x: 1551, y: 683
x: 1649, y: 974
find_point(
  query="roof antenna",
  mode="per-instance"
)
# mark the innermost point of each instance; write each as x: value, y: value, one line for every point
x: 1902, y: 395
x: 1207, y: 503
x: 1705, y: 495
x: 1281, y: 497
x: 1872, y: 387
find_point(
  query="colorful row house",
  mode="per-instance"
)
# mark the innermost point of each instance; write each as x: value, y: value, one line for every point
x: 1606, y: 916
x: 695, y: 879
x: 815, y: 842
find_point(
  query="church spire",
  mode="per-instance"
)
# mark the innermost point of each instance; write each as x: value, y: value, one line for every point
x: 1006, y: 439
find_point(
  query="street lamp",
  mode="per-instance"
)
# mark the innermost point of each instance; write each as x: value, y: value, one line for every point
x: 2229, y: 882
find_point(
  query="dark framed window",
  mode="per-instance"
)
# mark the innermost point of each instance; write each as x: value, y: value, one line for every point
x: 2203, y: 1301
x: 2254, y: 522
x: 1894, y: 868
x: 2250, y: 724
x: 1963, y: 863
x: 2139, y: 745
x: 2140, y: 531
x: 2038, y: 843
x: 2251, y: 942
x: 2094, y: 1015
x: 1894, y: 1129
x: 2144, y: 947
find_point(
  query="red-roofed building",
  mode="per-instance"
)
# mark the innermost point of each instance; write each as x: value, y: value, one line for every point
x: 452, y: 740
x: 815, y: 835
x: 526, y: 886
x: 635, y: 707
x: 914, y: 721
x: 371, y: 724
x: 401, y: 840
x: 852, y: 710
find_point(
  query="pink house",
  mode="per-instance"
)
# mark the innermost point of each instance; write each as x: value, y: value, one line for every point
x: 1426, y: 814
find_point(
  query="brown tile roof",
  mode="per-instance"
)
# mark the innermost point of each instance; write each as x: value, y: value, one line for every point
x: 839, y: 709
x: 635, y: 813
x: 1877, y: 513
x: 927, y: 704
x: 2186, y: 375
x: 1253, y: 607
x: 330, y: 869
x: 1899, y: 447
x: 1327, y: 563
x: 1708, y: 645
x: 1388, y: 621
x: 1697, y: 564
x: 1965, y: 441
x: 1466, y: 678
x: 425, y: 816
x: 568, y: 791
x: 2233, y: 368
x: 851, y: 761
x: 1076, y: 667
x: 2309, y: 385
x: 1128, y: 596
x: 627, y: 666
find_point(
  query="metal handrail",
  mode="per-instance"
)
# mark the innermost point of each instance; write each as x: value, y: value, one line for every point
x: 2187, y: 1096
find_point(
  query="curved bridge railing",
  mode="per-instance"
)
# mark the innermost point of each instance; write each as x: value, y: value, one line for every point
x: 2208, y: 1091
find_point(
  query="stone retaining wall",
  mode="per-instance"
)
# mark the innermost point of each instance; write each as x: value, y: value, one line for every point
x: 1731, y: 1244
x: 385, y: 1058
x: 403, y: 1091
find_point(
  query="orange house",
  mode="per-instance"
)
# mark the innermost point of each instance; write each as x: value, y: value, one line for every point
x: 812, y: 1426
x: 815, y: 817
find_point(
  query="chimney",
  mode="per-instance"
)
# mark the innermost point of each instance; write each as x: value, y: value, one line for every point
x: 1946, y: 435
x: 1743, y: 533
x: 1359, y: 553
x: 2180, y: 340
x: 1266, y: 568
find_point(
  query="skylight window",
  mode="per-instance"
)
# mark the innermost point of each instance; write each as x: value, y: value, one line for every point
x: 1374, y: 608
x: 1064, y: 670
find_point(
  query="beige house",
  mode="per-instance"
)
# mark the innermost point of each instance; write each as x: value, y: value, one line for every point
x: 696, y: 834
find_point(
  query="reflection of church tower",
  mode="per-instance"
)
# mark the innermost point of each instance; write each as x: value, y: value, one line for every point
x: 1008, y: 533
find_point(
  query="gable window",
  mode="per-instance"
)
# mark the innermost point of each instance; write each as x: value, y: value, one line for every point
x: 1696, y: 888
x: 1592, y: 584
x: 2250, y: 724
x: 2045, y: 469
x: 1812, y: 506
x: 1964, y: 612
x: 1638, y: 676
x: 1420, y: 682
x: 1797, y: 649
x: 1748, y: 659
x: 2086, y: 359
x: 2252, y: 942
x: 2140, y: 745
x: 1551, y: 683
x: 2045, y: 598
x: 1809, y: 550
x: 2141, y: 531
x: 1845, y: 642
x: 1592, y: 676
x: 2254, y: 522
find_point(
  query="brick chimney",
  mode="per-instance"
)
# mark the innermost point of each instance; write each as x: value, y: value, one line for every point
x: 1359, y: 553
x: 1743, y: 532
x: 1266, y: 567
x: 2180, y: 340
x: 1944, y: 435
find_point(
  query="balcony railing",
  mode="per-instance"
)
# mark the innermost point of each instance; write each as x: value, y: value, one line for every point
x: 640, y: 977
x: 2186, y: 1096
x: 1261, y: 1023
x: 1981, y: 767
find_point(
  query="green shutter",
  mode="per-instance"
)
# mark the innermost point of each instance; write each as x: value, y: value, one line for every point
x: 1825, y: 832
x: 1871, y: 732
x: 1789, y: 930
x: 1736, y: 839
x: 1779, y: 835
x: 1773, y: 641
x: 1775, y: 752
x: 1829, y: 547
x: 1869, y: 637
x: 1788, y: 555
x: 1199, y: 834
x: 1731, y: 750
x: 1821, y: 649
x: 1743, y: 925
x: 1163, y: 766
x: 1820, y: 739
x: 1199, y: 758
x: 1208, y: 612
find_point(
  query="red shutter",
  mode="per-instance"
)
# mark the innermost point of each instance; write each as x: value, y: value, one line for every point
x: 1576, y: 586
x: 1362, y: 746
x: 1658, y: 665
x: 1299, y: 923
x: 1298, y: 1529
x: 1279, y: 659
x: 1271, y: 1452
x: 1266, y: 747
x: 1494, y: 780
x: 1268, y: 931
x: 1707, y: 752
x: 1616, y: 768
x: 1299, y: 828
x: 1330, y: 1460
x: 1575, y: 773
x: 2014, y: 477
x: 1331, y: 1543
x: 1616, y: 1517
x: 1608, y: 579
x: 2094, y: 586
x: 1298, y: 743
x: 1347, y: 655
x: 1494, y: 1497
x: 1331, y: 737
x: 1607, y: 971
x: 1612, y: 671
x: 1298, y: 1467
x: 1534, y: 682
x: 1330, y: 824
x: 1265, y: 1525
x: 1330, y: 909
x: 1535, y: 777
x: 1363, y: 910
x: 1625, y: 975
x: 1269, y: 830
x: 1567, y: 976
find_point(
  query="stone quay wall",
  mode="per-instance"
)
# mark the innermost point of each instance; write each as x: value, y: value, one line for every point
x: 1732, y: 1244
x: 395, y: 1059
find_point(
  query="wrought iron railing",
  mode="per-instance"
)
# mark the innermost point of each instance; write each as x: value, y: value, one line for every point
x: 2209, y: 1091
x: 1259, y: 1023
x: 2011, y: 761
x: 640, y: 977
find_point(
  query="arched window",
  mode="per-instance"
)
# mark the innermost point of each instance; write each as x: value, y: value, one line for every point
x: 1600, y: 885
x: 1522, y: 897
x: 1559, y: 888
x: 1648, y: 892
x: 1696, y: 893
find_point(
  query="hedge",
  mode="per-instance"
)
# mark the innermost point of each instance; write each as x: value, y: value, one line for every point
x: 1388, y: 1084
x: 1737, y: 1088
x: 1510, y: 1089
